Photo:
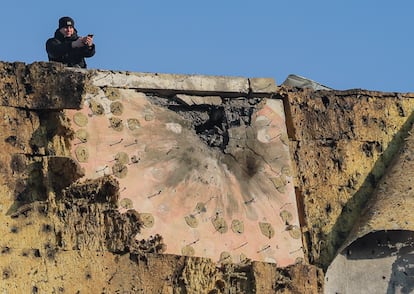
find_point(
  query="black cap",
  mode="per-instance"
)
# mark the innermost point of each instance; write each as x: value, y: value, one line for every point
x: 66, y: 21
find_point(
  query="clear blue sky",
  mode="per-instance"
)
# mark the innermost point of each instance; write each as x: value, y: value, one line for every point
x: 342, y: 44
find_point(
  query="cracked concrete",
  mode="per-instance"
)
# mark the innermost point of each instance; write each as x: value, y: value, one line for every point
x: 67, y: 223
x: 211, y: 173
x: 209, y: 158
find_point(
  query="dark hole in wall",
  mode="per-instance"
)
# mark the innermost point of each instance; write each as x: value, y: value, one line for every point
x: 212, y: 122
x: 36, y: 253
x: 214, y: 130
x: 6, y: 274
x: 12, y: 140
x: 325, y: 101
x: 28, y: 88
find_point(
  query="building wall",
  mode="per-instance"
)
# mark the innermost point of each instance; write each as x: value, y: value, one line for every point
x: 85, y: 153
x: 111, y: 177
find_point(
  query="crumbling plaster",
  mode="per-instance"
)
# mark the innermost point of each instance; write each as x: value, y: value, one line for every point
x: 340, y: 145
x: 71, y: 231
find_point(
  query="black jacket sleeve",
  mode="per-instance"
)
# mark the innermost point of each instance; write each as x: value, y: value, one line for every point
x: 89, y: 51
x: 56, y: 48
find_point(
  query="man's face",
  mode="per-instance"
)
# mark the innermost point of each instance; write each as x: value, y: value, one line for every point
x: 67, y: 31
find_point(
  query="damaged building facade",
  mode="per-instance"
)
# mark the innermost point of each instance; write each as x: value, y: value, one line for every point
x: 157, y: 183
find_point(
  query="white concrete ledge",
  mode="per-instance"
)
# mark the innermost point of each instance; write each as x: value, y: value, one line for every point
x: 171, y: 82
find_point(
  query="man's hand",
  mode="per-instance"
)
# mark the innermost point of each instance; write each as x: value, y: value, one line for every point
x: 88, y: 40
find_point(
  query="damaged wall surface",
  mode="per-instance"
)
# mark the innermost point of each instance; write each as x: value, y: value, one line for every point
x: 153, y: 183
x: 381, y: 245
x: 352, y: 154
x: 210, y: 174
x: 76, y: 144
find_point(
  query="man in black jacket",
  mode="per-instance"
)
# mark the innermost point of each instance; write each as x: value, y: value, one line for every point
x: 67, y: 47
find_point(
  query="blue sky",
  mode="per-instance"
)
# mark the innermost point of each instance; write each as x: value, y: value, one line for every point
x: 342, y: 44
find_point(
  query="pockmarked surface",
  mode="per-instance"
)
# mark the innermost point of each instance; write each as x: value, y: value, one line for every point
x: 214, y: 183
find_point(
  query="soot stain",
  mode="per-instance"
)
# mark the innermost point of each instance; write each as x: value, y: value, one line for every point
x: 186, y: 164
